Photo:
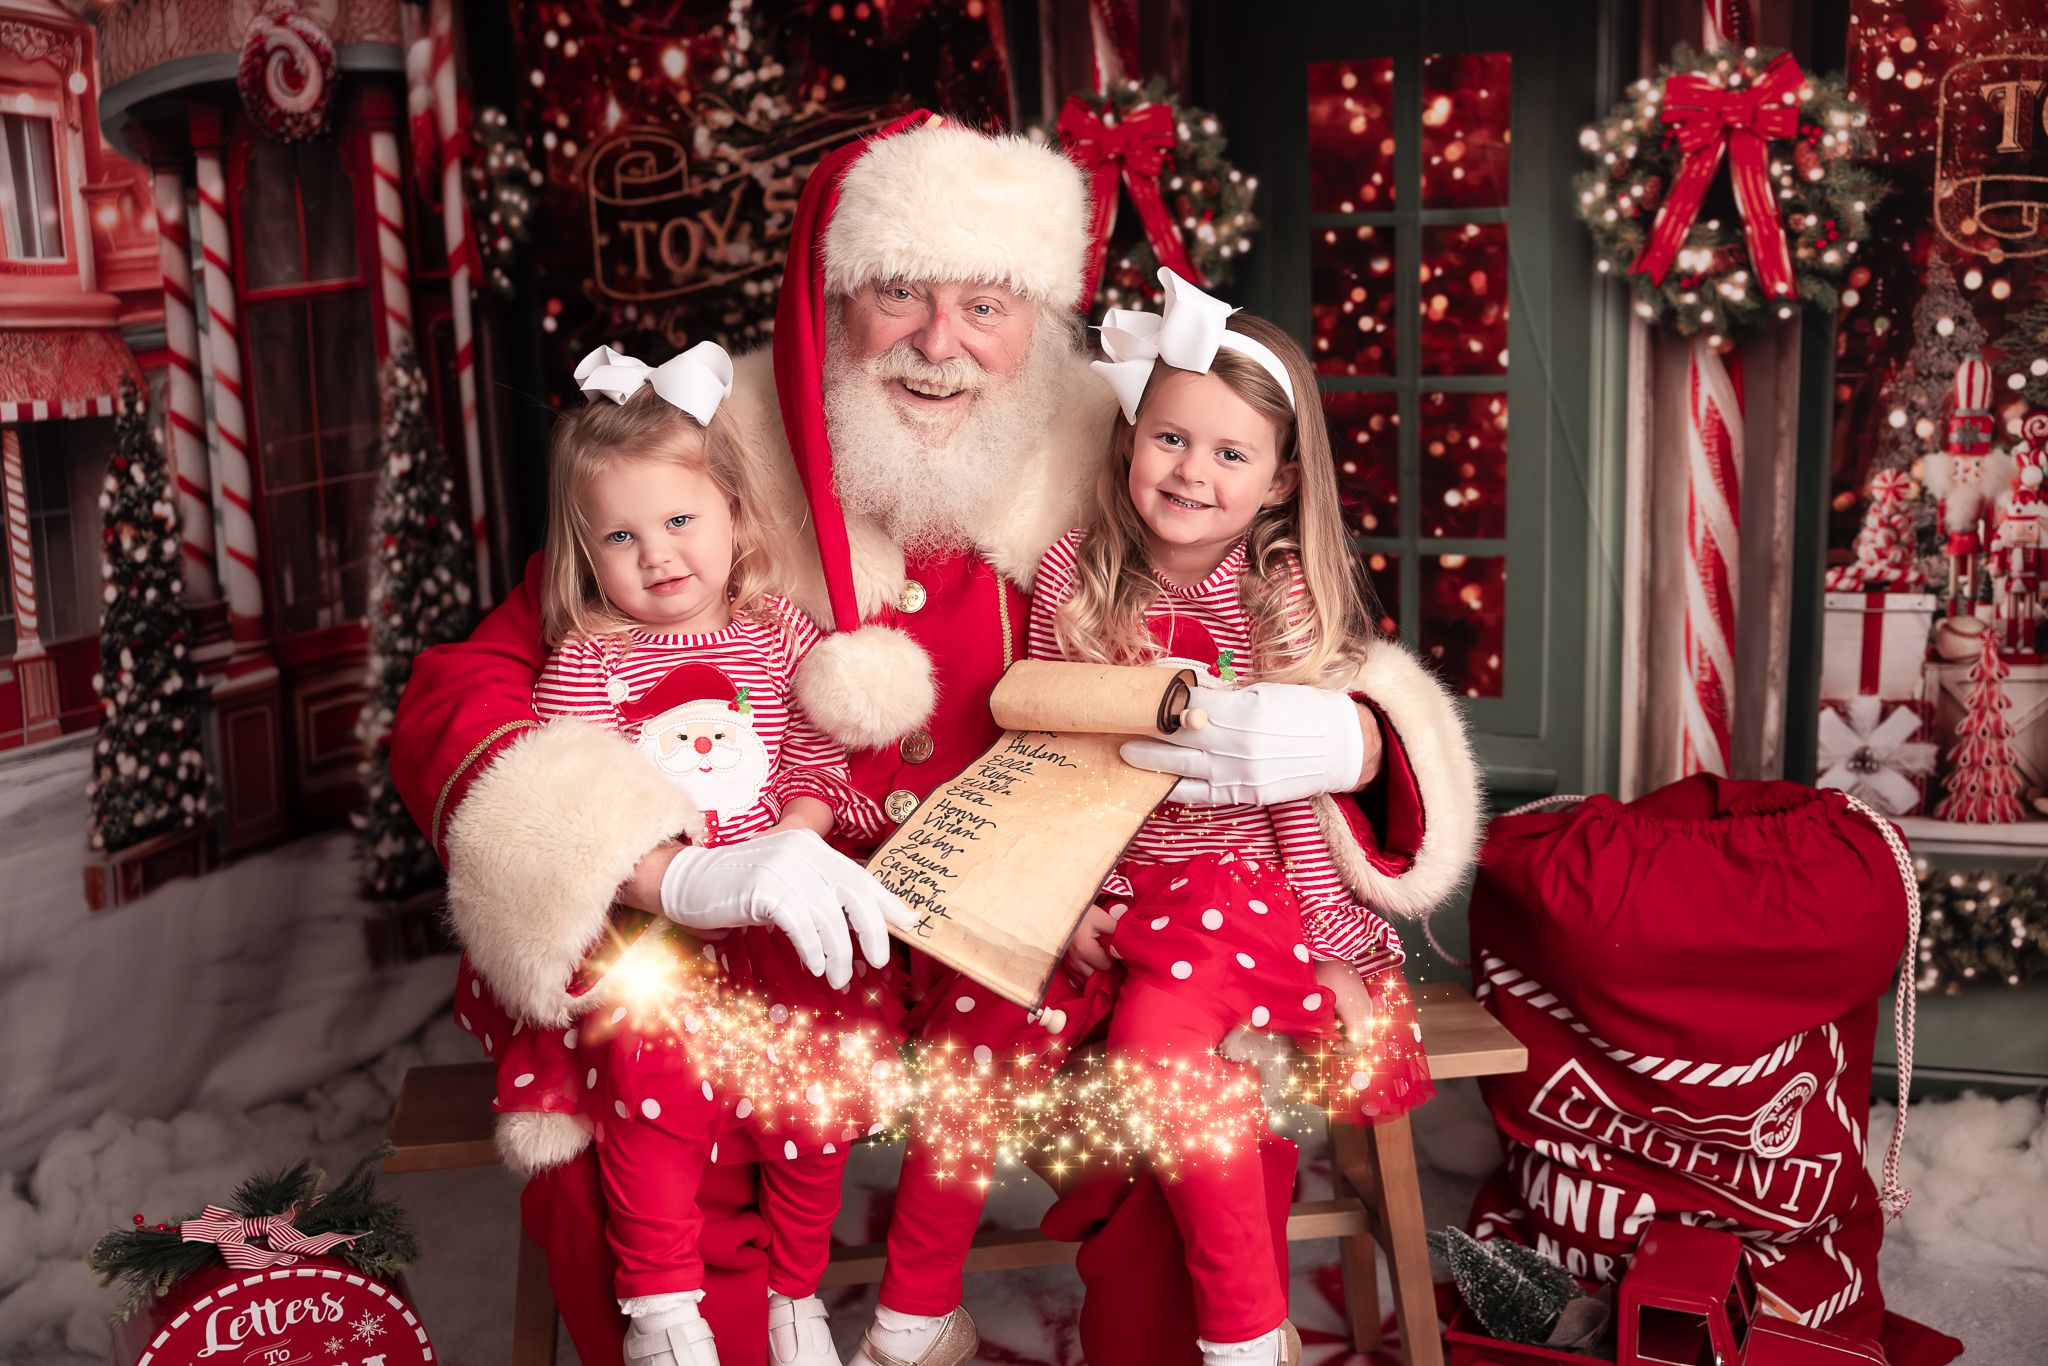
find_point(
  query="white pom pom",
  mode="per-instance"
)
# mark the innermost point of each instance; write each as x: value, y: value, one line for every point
x: 867, y: 688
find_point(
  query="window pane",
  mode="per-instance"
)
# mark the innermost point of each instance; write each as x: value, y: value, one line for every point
x: 1351, y: 136
x: 349, y: 509
x: 277, y: 385
x: 328, y: 193
x: 271, y: 253
x: 1465, y: 130
x: 345, y: 383
x: 1464, y: 299
x: 1351, y: 300
x: 295, y: 582
x: 35, y: 231
x: 1465, y: 465
x: 1365, y: 431
x: 1464, y: 602
x: 1384, y: 572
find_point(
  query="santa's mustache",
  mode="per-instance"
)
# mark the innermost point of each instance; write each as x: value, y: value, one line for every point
x: 904, y: 362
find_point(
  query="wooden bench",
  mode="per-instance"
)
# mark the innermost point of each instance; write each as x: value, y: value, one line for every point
x: 443, y: 1120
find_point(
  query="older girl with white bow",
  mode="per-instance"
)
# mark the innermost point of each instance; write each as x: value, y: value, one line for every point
x: 1217, y: 545
x: 661, y: 628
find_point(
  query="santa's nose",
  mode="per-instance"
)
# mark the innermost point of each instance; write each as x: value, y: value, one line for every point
x: 703, y: 744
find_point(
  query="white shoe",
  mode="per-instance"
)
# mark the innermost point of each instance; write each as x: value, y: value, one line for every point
x: 799, y: 1332
x: 680, y: 1344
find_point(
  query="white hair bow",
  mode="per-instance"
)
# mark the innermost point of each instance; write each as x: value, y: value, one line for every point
x: 1185, y: 334
x: 697, y: 381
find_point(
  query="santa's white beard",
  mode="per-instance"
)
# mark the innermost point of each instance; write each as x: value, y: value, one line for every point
x: 929, y: 488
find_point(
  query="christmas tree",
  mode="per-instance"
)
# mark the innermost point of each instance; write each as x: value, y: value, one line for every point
x: 1885, y: 555
x: 420, y: 598
x: 2026, y: 346
x: 1984, y: 786
x: 149, y: 771
x: 1515, y: 1291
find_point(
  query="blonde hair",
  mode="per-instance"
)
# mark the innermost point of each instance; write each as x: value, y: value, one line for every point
x: 648, y: 427
x: 1318, y: 639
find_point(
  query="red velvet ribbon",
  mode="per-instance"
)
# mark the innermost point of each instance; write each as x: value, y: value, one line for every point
x: 1739, y: 120
x: 1134, y: 150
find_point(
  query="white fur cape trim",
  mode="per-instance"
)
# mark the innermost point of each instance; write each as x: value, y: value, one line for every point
x: 944, y: 202
x: 866, y: 687
x: 1431, y: 731
x: 530, y: 1141
x: 541, y: 841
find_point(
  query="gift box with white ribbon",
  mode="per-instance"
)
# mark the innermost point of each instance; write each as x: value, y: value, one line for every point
x: 1873, y: 644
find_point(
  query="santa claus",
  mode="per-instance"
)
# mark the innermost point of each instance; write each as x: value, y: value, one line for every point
x: 932, y: 427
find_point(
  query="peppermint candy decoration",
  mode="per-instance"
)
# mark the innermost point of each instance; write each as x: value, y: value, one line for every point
x: 286, y: 74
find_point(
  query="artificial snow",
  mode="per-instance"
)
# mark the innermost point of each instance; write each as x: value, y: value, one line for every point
x: 1978, y: 1170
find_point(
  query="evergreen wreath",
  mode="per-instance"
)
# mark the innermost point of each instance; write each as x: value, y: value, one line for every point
x: 151, y: 1258
x: 1209, y: 198
x: 1824, y: 200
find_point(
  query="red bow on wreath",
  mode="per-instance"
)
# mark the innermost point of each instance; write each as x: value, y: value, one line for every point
x: 1136, y: 150
x: 231, y: 1234
x: 1711, y: 118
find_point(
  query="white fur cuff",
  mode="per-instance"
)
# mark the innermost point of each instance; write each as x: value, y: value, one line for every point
x: 867, y: 688
x: 540, y: 843
x: 530, y: 1142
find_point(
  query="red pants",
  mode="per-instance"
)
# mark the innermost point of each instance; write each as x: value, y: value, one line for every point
x: 651, y: 1154
x: 1217, y: 1198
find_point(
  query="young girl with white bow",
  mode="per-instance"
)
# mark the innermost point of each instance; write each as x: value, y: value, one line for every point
x: 1217, y: 545
x: 661, y: 629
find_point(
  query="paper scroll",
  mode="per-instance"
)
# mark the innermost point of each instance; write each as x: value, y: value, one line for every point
x: 1000, y: 862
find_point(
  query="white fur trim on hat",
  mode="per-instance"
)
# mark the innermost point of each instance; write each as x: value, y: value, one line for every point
x: 943, y: 202
x: 866, y: 688
x: 543, y: 838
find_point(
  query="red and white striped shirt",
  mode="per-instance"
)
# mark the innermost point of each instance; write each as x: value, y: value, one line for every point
x: 1334, y: 925
x: 762, y: 752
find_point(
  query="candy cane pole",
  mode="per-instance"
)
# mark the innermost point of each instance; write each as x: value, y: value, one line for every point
x: 461, y: 252
x: 1713, y: 500
x: 384, y: 168
x: 188, y: 409
x: 230, y: 419
x: 14, y: 491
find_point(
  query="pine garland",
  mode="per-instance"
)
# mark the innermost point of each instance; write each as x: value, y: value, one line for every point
x: 149, y: 770
x: 501, y: 184
x: 420, y: 598
x: 152, y: 1259
x: 1824, y: 199
x: 1209, y: 198
x: 1516, y: 1292
x: 1981, y: 929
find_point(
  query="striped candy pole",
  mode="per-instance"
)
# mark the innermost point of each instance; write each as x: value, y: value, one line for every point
x: 1713, y: 503
x: 230, y: 419
x: 384, y: 167
x: 461, y: 256
x: 188, y: 408
x: 27, y: 643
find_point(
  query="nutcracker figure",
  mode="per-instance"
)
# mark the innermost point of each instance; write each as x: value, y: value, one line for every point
x: 2016, y: 555
x: 1967, y: 476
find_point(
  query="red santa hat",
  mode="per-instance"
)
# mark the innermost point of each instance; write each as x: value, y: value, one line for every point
x: 690, y: 682
x: 924, y: 199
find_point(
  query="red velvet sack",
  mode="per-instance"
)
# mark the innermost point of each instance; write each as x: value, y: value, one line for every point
x: 1696, y: 976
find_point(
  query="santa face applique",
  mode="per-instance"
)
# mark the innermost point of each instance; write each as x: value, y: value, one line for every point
x: 697, y: 728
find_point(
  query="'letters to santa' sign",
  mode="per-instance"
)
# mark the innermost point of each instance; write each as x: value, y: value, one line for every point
x: 1000, y: 862
x: 318, y: 1311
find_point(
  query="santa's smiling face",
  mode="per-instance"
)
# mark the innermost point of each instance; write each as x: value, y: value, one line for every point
x: 928, y: 386
x: 710, y: 750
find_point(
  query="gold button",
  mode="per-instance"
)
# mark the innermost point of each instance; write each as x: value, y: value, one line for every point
x: 912, y: 598
x: 915, y: 747
x: 900, y: 804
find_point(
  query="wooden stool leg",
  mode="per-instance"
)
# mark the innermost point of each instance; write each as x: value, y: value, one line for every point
x: 1393, y: 1151
x: 1351, y: 1165
x: 533, y: 1309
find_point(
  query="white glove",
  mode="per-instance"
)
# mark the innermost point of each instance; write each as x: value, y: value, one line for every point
x: 1271, y: 742
x: 794, y: 881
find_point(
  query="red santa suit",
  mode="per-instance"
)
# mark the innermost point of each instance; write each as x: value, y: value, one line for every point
x: 539, y: 826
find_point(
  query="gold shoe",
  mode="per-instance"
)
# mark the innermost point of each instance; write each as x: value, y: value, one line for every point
x: 1290, y: 1344
x: 955, y: 1346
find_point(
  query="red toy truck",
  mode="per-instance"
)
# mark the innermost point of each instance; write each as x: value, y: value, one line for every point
x: 1687, y: 1300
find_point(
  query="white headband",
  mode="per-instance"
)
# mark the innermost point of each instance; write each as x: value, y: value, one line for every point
x: 1185, y: 334
x: 697, y: 381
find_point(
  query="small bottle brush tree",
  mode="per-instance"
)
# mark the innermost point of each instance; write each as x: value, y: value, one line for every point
x: 420, y: 597
x: 149, y: 768
x: 1984, y: 787
x: 1885, y: 545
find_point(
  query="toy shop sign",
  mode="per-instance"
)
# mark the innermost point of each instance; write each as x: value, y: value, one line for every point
x: 657, y: 233
x: 1991, y: 148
